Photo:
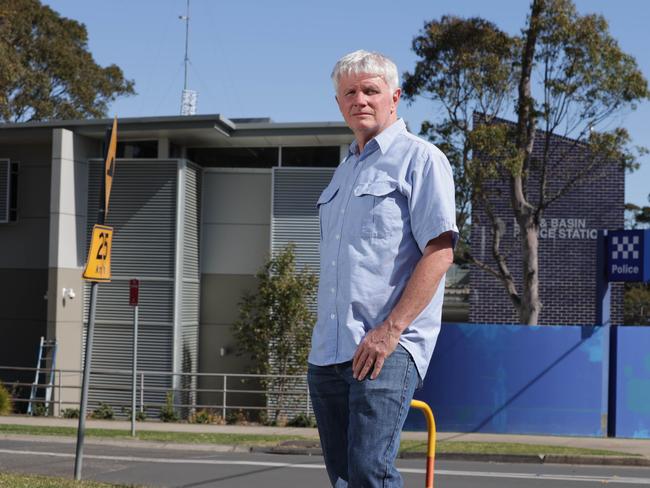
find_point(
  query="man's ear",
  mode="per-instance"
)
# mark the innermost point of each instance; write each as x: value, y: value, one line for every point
x: 396, y: 96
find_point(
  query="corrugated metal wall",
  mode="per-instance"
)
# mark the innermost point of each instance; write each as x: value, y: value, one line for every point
x: 191, y: 279
x: 295, y: 220
x: 144, y: 214
x: 295, y: 216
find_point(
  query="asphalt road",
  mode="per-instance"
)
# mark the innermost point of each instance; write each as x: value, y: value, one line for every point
x: 176, y: 468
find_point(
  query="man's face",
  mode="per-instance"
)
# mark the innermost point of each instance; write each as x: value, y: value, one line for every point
x: 367, y: 104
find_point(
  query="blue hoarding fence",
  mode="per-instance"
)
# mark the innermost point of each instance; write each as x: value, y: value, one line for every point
x: 538, y: 380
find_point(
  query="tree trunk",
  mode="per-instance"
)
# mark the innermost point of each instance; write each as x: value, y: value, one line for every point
x: 531, y: 304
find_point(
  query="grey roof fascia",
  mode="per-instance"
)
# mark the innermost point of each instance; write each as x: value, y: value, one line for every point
x: 292, y: 129
x: 176, y: 122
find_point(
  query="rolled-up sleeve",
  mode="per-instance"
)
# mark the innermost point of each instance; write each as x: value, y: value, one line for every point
x: 432, y: 204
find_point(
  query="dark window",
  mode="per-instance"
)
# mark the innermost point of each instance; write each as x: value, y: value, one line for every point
x: 137, y: 149
x: 229, y: 157
x: 325, y: 156
x: 13, y: 192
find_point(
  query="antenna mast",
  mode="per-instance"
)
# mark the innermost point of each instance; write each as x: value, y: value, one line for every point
x: 188, y: 99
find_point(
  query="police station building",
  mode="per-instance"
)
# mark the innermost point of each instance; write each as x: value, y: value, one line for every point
x: 197, y: 205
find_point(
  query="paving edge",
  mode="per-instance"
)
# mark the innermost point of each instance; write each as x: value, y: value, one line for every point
x: 488, y: 457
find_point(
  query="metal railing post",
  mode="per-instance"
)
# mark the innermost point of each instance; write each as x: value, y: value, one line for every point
x: 225, y: 388
x: 58, y: 395
x: 142, y: 392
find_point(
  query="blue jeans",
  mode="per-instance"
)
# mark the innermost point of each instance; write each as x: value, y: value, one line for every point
x: 359, y: 422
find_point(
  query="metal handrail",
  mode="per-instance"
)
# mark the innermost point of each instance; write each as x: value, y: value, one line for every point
x: 226, y: 379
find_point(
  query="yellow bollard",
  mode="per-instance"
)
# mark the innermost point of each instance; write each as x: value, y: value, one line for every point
x: 431, y: 445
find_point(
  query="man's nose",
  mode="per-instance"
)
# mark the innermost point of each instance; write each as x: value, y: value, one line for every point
x: 359, y: 99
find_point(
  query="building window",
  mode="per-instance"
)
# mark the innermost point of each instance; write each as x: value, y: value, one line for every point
x: 234, y: 157
x: 320, y: 156
x: 137, y: 149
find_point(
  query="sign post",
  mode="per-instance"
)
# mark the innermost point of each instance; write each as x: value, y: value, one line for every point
x: 98, y: 269
x: 134, y: 292
x: 622, y: 255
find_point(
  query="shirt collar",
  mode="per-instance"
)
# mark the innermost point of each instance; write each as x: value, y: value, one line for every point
x: 384, y: 139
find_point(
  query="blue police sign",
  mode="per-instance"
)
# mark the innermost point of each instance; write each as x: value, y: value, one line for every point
x: 628, y: 255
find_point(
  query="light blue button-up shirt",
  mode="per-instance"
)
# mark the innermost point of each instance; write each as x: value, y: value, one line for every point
x: 377, y: 214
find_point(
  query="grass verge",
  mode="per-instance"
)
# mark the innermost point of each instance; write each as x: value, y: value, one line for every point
x: 506, y: 448
x: 146, y: 435
x: 13, y: 480
x: 462, y: 447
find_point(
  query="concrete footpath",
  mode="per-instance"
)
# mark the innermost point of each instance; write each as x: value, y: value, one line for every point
x: 637, y: 450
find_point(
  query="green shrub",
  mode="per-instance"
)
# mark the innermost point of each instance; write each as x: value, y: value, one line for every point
x: 70, y: 413
x: 6, y: 405
x: 206, y: 417
x: 302, y: 420
x: 103, y: 412
x: 39, y: 409
x: 140, y: 415
x: 168, y: 412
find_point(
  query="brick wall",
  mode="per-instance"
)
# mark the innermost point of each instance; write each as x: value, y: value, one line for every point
x: 567, y: 245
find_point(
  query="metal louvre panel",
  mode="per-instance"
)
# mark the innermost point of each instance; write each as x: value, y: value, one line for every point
x: 4, y: 190
x: 295, y: 215
x: 113, y: 350
x: 190, y: 305
x: 192, y: 222
x: 156, y: 301
x: 142, y: 212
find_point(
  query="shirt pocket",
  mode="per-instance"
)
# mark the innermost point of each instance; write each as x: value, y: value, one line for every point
x: 381, y: 212
x: 324, y: 205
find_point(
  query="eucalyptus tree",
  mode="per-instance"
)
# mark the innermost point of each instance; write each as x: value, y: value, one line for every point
x: 563, y: 75
x: 46, y: 69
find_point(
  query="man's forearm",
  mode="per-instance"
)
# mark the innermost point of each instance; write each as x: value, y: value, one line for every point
x: 438, y: 256
x: 380, y: 342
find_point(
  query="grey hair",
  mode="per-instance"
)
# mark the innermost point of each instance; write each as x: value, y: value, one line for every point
x: 366, y: 62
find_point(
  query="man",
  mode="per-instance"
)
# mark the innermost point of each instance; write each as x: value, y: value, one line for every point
x: 387, y: 223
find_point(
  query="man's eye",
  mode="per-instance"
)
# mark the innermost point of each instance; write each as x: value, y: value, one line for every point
x: 371, y: 92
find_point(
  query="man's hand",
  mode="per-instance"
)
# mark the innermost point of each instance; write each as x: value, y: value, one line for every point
x: 376, y: 346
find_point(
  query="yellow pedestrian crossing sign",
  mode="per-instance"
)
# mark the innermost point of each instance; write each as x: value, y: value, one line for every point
x: 98, y: 265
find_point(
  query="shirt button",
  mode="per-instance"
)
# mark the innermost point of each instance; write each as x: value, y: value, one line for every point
x: 342, y: 211
x: 333, y: 290
x: 338, y: 237
x: 333, y: 263
x: 332, y: 316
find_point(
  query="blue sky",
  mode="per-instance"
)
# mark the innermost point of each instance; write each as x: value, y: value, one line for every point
x: 273, y: 58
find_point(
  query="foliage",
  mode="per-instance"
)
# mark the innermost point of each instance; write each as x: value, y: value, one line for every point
x: 39, y: 409
x: 564, y: 75
x: 167, y: 412
x: 302, y: 420
x: 140, y: 415
x: 275, y: 321
x: 639, y: 217
x: 103, y: 412
x: 46, y: 70
x: 206, y: 416
x: 236, y: 417
x: 636, y: 308
x: 70, y: 413
x: 6, y: 405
